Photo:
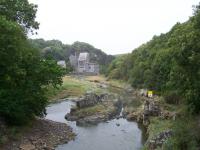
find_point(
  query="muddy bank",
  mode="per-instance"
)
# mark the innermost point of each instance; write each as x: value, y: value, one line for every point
x: 42, y: 135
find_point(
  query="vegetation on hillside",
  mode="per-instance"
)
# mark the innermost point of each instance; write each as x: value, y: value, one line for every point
x: 169, y: 64
x: 59, y: 51
x: 23, y: 74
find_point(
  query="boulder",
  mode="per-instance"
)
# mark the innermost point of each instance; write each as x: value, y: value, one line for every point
x: 150, y: 109
x: 90, y: 99
x: 71, y: 117
x: 91, y: 120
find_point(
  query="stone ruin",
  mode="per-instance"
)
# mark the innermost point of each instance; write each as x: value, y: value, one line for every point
x: 90, y: 99
x: 150, y: 109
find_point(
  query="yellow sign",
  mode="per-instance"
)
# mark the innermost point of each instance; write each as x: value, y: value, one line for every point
x: 150, y: 93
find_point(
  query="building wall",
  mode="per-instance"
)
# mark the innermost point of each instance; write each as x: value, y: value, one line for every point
x: 96, y: 69
x: 62, y: 63
x: 91, y: 68
x: 73, y: 61
x: 83, y: 65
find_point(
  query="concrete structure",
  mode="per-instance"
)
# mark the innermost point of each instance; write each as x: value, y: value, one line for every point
x: 93, y: 67
x: 62, y: 63
x: 90, y: 99
x: 73, y: 61
x: 82, y: 64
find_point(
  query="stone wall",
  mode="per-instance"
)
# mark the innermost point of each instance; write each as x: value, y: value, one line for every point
x: 150, y: 109
x: 90, y: 99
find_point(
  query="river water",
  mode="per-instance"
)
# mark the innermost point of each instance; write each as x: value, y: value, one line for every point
x: 116, y: 134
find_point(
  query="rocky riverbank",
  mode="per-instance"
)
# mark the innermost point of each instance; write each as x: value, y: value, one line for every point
x: 149, y: 112
x: 42, y: 135
x: 102, y: 109
x: 153, y: 115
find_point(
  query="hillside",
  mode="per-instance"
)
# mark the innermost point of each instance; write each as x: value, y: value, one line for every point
x: 60, y: 51
x: 169, y: 65
x: 169, y: 62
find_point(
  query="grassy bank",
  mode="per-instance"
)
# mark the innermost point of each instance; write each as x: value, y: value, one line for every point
x: 73, y: 86
x: 100, y: 110
x: 76, y: 86
x: 185, y: 127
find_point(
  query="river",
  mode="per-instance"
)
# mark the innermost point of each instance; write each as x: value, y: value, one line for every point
x: 116, y: 134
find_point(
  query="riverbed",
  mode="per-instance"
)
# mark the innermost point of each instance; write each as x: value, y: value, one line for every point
x: 116, y: 134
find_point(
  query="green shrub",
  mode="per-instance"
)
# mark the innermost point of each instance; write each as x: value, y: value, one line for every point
x: 172, y: 97
x: 186, y: 135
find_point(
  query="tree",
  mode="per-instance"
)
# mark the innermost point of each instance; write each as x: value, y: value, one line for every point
x: 169, y: 63
x: 23, y: 76
x: 20, y: 11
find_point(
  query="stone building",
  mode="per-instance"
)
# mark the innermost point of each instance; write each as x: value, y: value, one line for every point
x: 82, y: 64
x: 62, y: 63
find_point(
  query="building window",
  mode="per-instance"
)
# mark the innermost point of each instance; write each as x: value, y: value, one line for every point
x: 81, y: 63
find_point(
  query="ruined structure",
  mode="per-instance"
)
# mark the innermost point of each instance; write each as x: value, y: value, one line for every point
x: 82, y: 64
x: 90, y: 99
x: 62, y: 63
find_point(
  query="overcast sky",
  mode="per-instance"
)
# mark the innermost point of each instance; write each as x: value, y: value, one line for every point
x: 115, y: 26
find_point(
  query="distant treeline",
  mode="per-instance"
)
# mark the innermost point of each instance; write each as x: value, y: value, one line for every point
x: 59, y: 51
x: 168, y: 64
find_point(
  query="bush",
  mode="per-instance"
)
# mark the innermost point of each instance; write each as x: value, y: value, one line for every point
x: 172, y: 97
x: 186, y: 135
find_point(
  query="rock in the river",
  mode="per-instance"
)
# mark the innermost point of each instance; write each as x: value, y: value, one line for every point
x: 90, y: 120
x: 91, y: 116
x: 71, y: 117
x: 90, y: 99
x: 117, y: 124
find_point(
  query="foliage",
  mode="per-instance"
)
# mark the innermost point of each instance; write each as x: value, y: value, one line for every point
x: 172, y: 97
x: 119, y: 68
x: 20, y: 11
x: 169, y: 62
x: 59, y: 51
x: 186, y: 135
x: 23, y: 75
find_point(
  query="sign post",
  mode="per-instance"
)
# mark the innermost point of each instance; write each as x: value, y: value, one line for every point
x: 150, y: 94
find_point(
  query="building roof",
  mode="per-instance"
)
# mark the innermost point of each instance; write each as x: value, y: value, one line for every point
x: 83, y: 56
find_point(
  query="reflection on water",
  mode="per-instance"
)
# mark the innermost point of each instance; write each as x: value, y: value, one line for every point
x: 104, y: 136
